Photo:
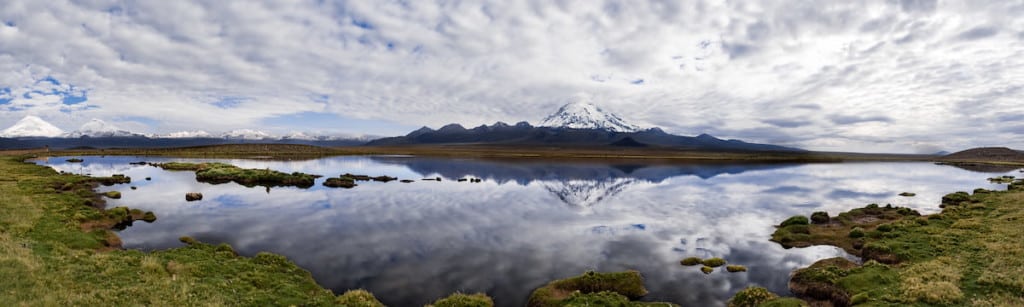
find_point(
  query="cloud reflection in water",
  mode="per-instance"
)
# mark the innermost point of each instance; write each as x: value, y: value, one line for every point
x: 526, y: 224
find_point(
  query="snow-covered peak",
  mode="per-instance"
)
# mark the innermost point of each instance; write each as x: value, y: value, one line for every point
x: 31, y: 126
x: 99, y: 128
x: 587, y: 193
x: 187, y: 134
x: 581, y: 114
x: 302, y: 136
x: 246, y: 134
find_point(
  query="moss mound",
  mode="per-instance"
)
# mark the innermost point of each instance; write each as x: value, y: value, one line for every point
x: 714, y: 262
x: 628, y: 284
x: 218, y: 173
x: 751, y: 297
x: 358, y: 298
x: 795, y: 220
x: 706, y: 269
x: 820, y: 217
x: 690, y: 261
x: 735, y: 268
x: 464, y: 300
x: 340, y: 182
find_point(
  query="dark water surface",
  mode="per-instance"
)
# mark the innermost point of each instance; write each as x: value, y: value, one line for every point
x: 527, y: 223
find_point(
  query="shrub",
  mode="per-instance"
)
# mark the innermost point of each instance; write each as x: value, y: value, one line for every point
x: 690, y: 261
x: 751, y: 297
x: 884, y: 228
x: 795, y: 220
x: 113, y: 194
x: 820, y: 217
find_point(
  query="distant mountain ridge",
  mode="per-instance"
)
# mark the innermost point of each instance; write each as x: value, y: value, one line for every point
x: 574, y: 124
x: 34, y: 132
x: 992, y: 154
x: 525, y: 134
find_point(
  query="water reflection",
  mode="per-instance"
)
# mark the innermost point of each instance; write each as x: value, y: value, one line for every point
x: 526, y: 224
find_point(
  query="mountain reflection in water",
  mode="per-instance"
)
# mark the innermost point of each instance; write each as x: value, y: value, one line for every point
x: 527, y: 223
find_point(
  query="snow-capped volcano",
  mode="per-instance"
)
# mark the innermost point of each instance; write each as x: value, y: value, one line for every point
x: 246, y: 134
x: 583, y: 115
x: 100, y: 128
x: 31, y: 126
x: 187, y: 134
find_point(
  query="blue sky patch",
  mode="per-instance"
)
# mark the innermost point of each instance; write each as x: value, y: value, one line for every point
x: 5, y: 95
x: 49, y: 79
x: 229, y: 102
x: 71, y: 99
x: 362, y: 24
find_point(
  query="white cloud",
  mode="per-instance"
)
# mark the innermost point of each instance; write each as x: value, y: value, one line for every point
x: 938, y: 73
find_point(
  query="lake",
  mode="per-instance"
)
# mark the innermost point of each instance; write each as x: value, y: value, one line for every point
x: 528, y: 222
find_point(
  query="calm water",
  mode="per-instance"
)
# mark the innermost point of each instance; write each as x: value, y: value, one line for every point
x: 527, y: 223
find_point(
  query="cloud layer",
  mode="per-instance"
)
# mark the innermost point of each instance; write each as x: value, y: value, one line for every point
x: 905, y: 76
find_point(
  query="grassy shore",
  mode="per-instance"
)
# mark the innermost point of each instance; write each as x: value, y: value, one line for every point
x: 972, y: 253
x: 56, y: 249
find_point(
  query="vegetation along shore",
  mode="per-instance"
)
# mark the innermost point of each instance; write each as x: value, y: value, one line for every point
x: 58, y: 248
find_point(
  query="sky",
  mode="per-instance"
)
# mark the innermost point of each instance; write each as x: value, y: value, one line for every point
x: 913, y: 76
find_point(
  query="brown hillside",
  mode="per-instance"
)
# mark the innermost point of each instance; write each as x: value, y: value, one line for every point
x: 990, y: 154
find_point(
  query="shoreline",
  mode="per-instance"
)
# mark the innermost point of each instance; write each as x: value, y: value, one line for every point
x: 162, y: 263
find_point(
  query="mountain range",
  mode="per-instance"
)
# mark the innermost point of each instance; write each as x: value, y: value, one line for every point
x: 574, y: 124
x: 577, y: 123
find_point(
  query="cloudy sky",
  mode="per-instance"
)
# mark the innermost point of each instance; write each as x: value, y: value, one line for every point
x: 897, y: 76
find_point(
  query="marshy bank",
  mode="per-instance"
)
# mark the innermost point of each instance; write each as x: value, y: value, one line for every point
x: 971, y: 253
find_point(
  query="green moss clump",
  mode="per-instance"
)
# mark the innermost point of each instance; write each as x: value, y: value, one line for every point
x: 464, y: 300
x: 955, y: 198
x: 856, y: 232
x: 714, y: 262
x: 735, y: 268
x: 707, y: 269
x: 217, y: 173
x: 628, y: 284
x: 358, y: 298
x: 690, y: 261
x: 112, y: 194
x: 820, y: 217
x: 884, y: 228
x: 751, y: 297
x: 187, y: 240
x: 342, y: 182
x: 149, y: 216
x: 795, y: 220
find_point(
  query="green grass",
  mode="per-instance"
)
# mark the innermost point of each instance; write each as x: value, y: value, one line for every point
x: 972, y: 253
x: 56, y: 249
